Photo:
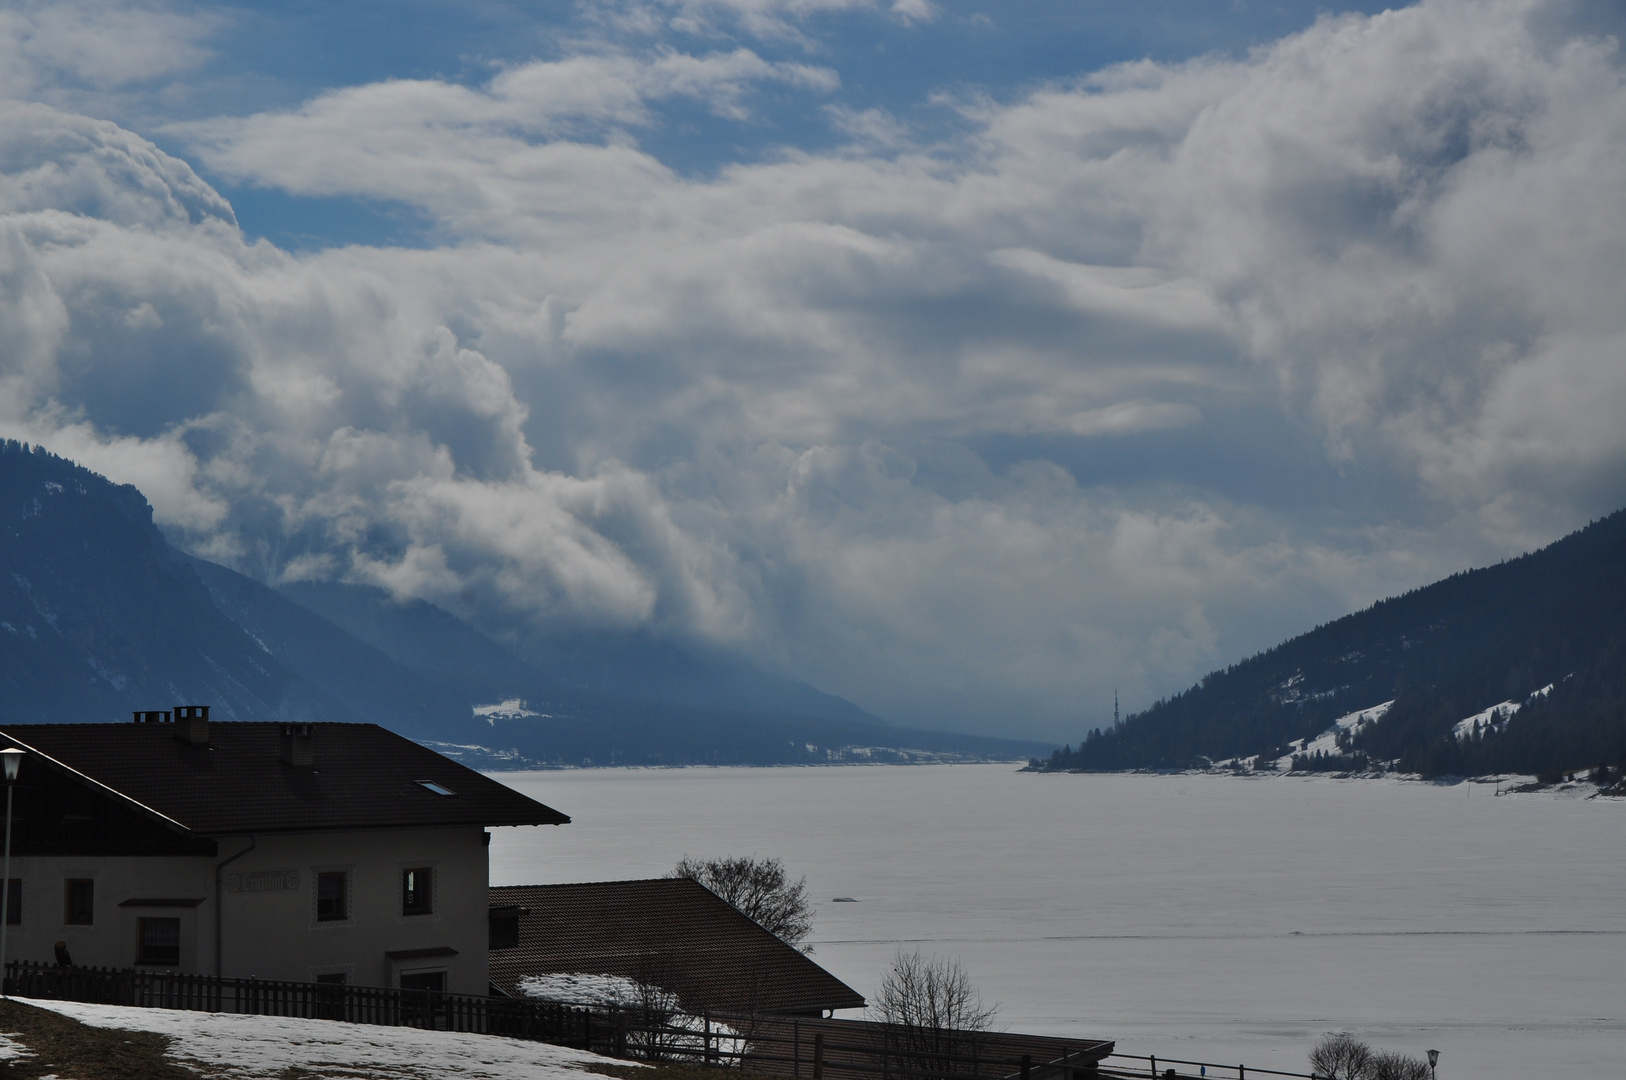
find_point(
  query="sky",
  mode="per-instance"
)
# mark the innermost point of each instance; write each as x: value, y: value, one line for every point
x: 973, y: 361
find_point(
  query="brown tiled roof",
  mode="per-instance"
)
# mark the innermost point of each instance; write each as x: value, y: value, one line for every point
x: 671, y: 932
x: 364, y: 777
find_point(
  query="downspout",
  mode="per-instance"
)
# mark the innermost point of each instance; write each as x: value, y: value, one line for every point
x: 219, y: 907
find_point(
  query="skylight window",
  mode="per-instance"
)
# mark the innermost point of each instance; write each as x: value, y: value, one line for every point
x: 438, y: 789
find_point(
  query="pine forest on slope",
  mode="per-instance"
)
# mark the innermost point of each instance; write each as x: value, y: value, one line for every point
x: 1515, y: 668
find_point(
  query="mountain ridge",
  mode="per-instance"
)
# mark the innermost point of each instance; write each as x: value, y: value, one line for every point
x: 99, y: 615
x: 1554, y: 618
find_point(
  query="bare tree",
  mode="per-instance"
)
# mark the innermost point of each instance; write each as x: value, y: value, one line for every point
x: 1341, y: 1057
x: 759, y: 889
x: 931, y: 992
x: 932, y: 1013
x: 1387, y: 1065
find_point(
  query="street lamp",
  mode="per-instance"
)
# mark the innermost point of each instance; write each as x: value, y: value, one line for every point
x: 13, y: 757
x: 1433, y: 1060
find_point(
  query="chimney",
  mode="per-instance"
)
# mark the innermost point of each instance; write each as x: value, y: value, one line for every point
x: 296, y: 745
x: 192, y: 724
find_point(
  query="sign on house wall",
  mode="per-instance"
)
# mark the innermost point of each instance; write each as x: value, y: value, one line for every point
x: 262, y: 881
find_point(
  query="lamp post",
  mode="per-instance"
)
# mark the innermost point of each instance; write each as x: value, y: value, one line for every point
x: 13, y: 758
x: 1433, y: 1060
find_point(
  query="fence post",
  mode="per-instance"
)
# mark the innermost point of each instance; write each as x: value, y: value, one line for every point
x: 818, y: 1056
x: 1027, y: 1066
x: 796, y: 1048
x: 620, y: 1034
x: 1154, y: 1067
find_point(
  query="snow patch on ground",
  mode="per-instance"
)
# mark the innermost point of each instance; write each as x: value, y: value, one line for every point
x: 10, y: 1049
x: 252, y: 1047
x: 579, y: 988
x: 512, y: 709
x: 685, y: 1031
x: 1327, y: 741
x: 1495, y: 717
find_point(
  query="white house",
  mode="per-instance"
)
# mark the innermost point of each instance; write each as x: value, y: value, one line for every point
x: 327, y: 852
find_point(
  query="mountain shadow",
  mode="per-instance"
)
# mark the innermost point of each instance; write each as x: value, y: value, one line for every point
x: 99, y: 616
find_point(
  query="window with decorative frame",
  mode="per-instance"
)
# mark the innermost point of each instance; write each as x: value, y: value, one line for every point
x: 160, y: 941
x: 79, y: 902
x: 332, y: 896
x: 418, y: 891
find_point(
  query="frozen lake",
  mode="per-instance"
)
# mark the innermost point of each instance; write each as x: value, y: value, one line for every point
x: 1203, y: 917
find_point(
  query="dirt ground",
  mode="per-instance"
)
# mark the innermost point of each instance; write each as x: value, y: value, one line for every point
x: 67, y: 1048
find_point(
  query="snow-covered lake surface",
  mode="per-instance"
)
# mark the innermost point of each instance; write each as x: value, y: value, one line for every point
x: 1202, y: 917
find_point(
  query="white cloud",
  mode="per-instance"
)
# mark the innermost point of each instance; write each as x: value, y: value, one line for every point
x: 475, y: 151
x: 768, y: 20
x: 101, y: 44
x: 766, y: 408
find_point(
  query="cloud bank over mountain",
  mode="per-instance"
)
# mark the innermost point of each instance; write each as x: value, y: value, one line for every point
x: 1132, y: 374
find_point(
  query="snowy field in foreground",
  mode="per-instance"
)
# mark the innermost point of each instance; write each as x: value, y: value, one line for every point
x: 1205, y: 917
x: 266, y: 1046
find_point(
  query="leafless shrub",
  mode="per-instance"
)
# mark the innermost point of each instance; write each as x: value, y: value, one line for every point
x: 932, y: 1011
x: 1344, y: 1057
x: 1341, y: 1057
x: 1387, y: 1065
x: 760, y: 890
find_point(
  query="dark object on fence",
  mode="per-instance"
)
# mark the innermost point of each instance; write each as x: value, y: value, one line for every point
x: 62, y: 957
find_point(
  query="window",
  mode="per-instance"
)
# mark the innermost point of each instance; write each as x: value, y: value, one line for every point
x: 337, y: 978
x: 424, y: 980
x: 79, y: 901
x: 418, y: 891
x: 331, y: 901
x: 160, y: 941
x: 14, y: 902
x: 504, y: 925
x: 438, y: 789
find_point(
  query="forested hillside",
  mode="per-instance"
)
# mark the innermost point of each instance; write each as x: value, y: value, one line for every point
x: 1543, y: 636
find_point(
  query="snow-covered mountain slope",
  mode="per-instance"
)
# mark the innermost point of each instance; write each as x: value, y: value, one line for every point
x: 1494, y: 718
x: 1327, y: 741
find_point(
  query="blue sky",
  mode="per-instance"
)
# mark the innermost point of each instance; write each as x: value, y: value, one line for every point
x: 268, y: 56
x: 970, y: 361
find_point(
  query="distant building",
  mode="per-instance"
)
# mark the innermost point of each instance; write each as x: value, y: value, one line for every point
x: 327, y: 852
x: 668, y: 932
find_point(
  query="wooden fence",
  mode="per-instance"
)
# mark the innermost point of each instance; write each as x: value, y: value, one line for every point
x: 802, y: 1048
x: 520, y: 1018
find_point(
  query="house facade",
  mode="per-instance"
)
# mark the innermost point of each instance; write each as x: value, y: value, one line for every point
x: 306, y: 852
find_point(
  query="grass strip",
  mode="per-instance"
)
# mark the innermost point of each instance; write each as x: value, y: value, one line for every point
x: 63, y: 1046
